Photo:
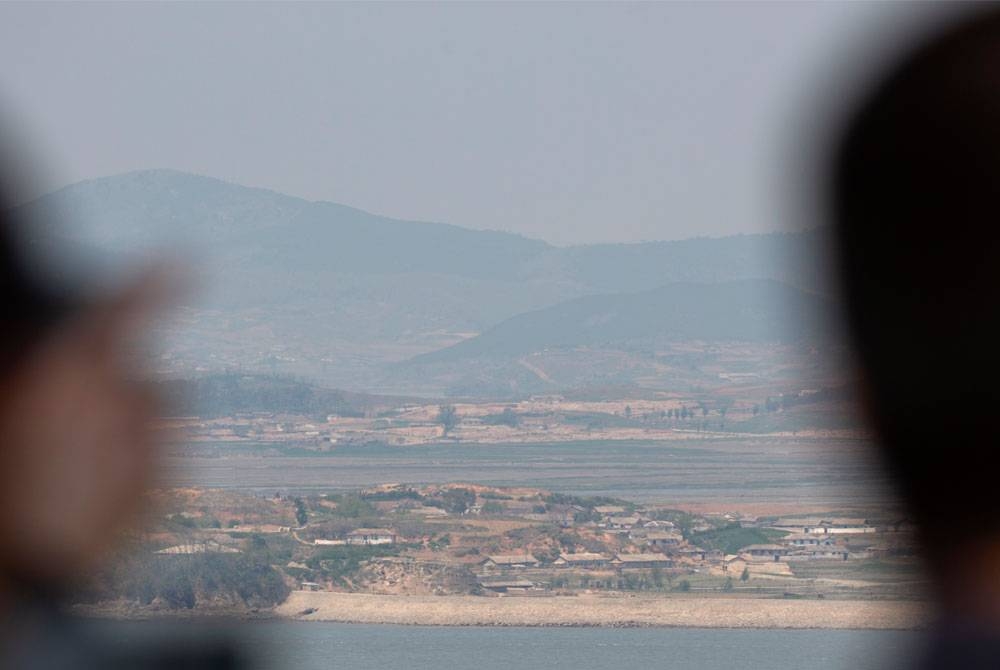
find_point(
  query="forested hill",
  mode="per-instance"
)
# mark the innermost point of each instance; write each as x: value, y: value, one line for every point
x: 257, y: 234
x: 745, y: 311
x: 333, y: 294
x: 231, y: 394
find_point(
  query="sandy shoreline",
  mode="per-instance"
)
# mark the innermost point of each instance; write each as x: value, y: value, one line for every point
x: 603, y: 611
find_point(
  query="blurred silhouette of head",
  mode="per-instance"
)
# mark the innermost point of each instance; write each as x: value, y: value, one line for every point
x: 916, y: 200
x: 75, y: 445
x: 76, y: 453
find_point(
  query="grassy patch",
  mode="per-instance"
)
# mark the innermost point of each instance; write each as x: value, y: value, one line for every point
x: 730, y: 539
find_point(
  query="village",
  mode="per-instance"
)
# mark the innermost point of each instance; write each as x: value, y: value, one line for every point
x: 555, y: 418
x: 463, y: 539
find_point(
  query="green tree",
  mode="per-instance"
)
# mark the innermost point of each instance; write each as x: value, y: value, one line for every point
x: 301, y: 516
x: 458, y: 501
x: 509, y: 418
x: 447, y: 417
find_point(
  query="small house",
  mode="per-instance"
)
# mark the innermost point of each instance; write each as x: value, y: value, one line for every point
x: 698, y: 554
x: 371, y: 536
x: 663, y: 538
x: 510, y: 562
x: 659, y: 523
x: 820, y: 553
x: 765, y: 552
x: 508, y: 586
x: 799, y: 540
x: 635, y: 561
x: 622, y: 522
x: 583, y: 560
x: 832, y: 526
x: 840, y: 526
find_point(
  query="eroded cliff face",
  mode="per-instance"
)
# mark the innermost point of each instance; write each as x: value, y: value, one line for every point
x: 403, y: 576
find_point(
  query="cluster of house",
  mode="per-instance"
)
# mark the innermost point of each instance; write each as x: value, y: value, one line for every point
x: 657, y: 544
x: 820, y: 526
x: 661, y: 545
x: 499, y: 571
x: 808, y: 539
x: 658, y: 532
x: 815, y: 539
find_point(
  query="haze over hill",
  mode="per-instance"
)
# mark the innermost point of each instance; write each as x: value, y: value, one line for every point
x: 336, y: 294
x: 753, y: 310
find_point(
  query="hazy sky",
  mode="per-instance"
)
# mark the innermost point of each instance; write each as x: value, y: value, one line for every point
x: 569, y: 122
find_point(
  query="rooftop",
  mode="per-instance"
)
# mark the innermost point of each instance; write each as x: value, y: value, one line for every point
x: 512, y: 559
x: 764, y: 547
x: 629, y: 520
x: 508, y: 584
x: 642, y: 558
x: 582, y: 557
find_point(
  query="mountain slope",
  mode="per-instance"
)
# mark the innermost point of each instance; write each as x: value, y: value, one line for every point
x: 745, y: 311
x: 329, y: 292
x: 225, y: 222
x: 230, y: 394
x: 134, y: 211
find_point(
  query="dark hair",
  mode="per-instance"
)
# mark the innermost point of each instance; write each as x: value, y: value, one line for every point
x: 916, y: 198
x: 30, y: 307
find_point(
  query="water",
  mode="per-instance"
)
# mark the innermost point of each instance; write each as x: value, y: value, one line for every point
x: 822, y: 473
x: 312, y: 646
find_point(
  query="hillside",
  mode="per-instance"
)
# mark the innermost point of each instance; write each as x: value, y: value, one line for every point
x: 334, y: 294
x: 231, y: 394
x: 745, y: 311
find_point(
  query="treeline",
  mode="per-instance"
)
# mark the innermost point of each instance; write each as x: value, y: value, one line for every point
x: 588, y: 502
x: 242, y: 580
x: 232, y: 393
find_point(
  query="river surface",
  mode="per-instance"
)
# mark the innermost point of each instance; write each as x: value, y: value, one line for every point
x: 311, y: 646
x: 822, y: 473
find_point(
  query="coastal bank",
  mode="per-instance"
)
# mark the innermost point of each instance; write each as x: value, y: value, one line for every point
x: 602, y: 611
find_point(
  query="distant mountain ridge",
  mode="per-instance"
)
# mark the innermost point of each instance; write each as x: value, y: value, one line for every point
x: 137, y: 210
x: 325, y: 291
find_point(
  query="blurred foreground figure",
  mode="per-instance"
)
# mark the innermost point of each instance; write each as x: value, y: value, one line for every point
x: 916, y: 198
x: 76, y: 454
